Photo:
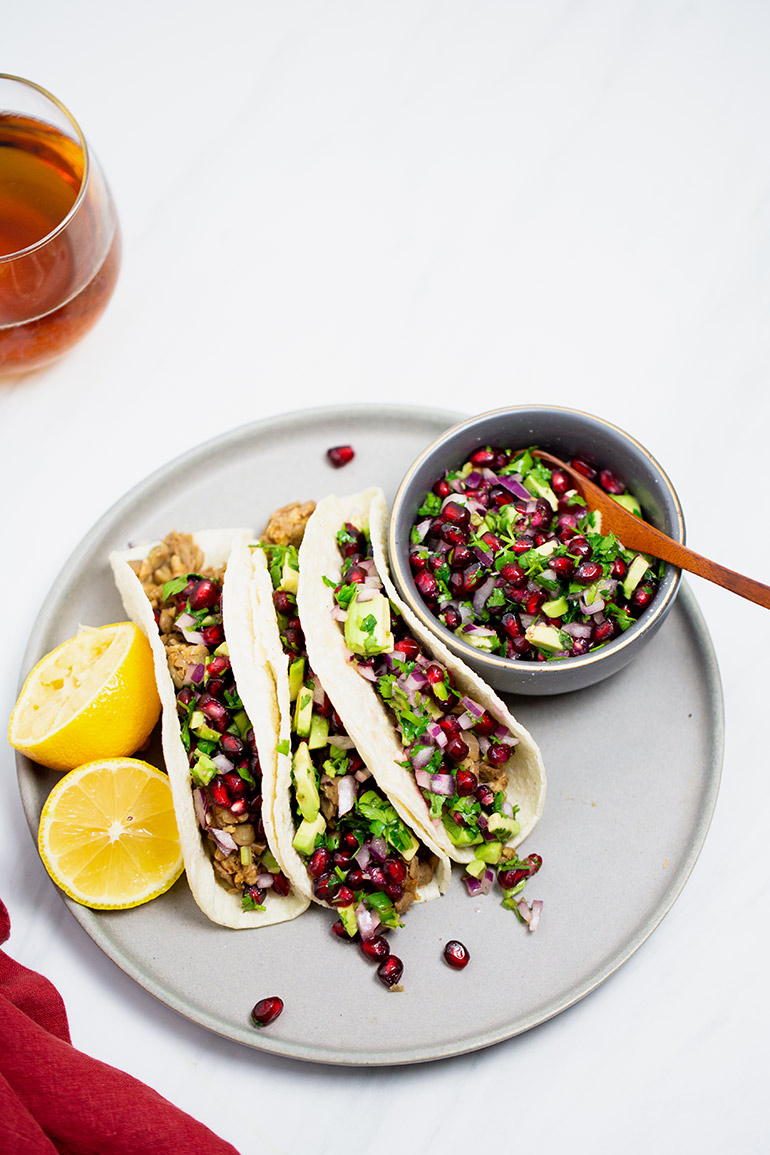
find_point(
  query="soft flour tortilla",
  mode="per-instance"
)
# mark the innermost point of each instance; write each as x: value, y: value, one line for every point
x: 257, y: 603
x: 366, y: 718
x: 219, y: 904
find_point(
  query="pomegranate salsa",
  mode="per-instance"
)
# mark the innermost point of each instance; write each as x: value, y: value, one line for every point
x: 362, y: 859
x: 456, y: 750
x: 505, y: 554
x: 216, y: 732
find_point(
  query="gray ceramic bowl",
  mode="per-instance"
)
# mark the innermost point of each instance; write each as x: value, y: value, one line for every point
x: 567, y: 433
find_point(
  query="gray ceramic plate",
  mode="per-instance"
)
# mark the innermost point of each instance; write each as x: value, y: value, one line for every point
x: 633, y: 772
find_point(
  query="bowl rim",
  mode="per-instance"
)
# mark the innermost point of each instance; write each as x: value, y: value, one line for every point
x: 404, y: 580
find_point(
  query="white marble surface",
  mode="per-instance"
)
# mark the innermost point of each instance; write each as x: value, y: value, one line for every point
x: 471, y: 204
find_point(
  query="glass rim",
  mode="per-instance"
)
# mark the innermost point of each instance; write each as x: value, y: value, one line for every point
x: 63, y: 223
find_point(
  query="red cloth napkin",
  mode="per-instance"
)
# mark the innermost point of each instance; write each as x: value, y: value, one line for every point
x: 55, y: 1099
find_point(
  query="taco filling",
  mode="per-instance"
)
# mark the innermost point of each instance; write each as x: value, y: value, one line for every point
x: 455, y: 750
x: 360, y: 855
x: 217, y: 735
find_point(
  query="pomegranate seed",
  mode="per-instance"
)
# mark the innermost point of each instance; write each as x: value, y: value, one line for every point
x: 513, y: 574
x: 266, y: 1010
x: 584, y: 468
x: 535, y: 862
x: 319, y: 863
x: 486, y: 724
x: 325, y: 886
x: 281, y: 884
x: 523, y: 544
x: 498, y: 753
x: 483, y: 457
x: 511, y: 623
x: 492, y: 542
x: 560, y: 482
x: 255, y: 893
x: 417, y: 561
x: 457, y: 749
x: 500, y: 496
x: 395, y: 869
x: 450, y: 724
x: 466, y: 783
x: 407, y: 649
x: 534, y: 601
x: 340, y: 930
x: 484, y: 794
x: 580, y: 646
x: 451, y: 618
x: 232, y: 746
x: 473, y: 575
x: 442, y: 487
x: 212, y: 636
x: 238, y: 806
x: 294, y: 640
x: 453, y: 535
x: 355, y: 878
x: 283, y: 602
x: 456, y: 954
x: 343, y: 897
x: 377, y: 877
x: 610, y: 482
x: 588, y: 572
x: 185, y: 696
x: 376, y: 948
x: 604, y: 632
x: 563, y: 566
x: 579, y: 547
x: 619, y: 568
x: 435, y: 674
x: 455, y: 513
x: 340, y: 455
x: 511, y: 877
x: 355, y: 574
x: 390, y: 970
x: 214, y: 712
x: 219, y: 793
x: 460, y: 557
x: 427, y: 585
x: 351, y: 840
x: 394, y: 891
x: 204, y: 596
x: 235, y: 784
x: 642, y: 596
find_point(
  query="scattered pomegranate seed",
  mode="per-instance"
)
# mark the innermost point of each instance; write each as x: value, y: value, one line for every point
x: 466, y: 783
x: 376, y: 948
x: 427, y: 585
x: 390, y: 970
x: 340, y: 455
x: 499, y: 753
x: 456, y: 954
x: 457, y: 749
x: 205, y: 595
x: 442, y: 488
x: 266, y: 1010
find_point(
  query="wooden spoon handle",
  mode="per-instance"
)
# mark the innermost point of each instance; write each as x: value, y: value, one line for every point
x: 635, y: 533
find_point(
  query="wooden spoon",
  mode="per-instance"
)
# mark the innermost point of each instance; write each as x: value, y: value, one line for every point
x: 637, y: 534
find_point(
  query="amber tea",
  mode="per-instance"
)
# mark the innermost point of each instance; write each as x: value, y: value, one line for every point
x: 59, y: 240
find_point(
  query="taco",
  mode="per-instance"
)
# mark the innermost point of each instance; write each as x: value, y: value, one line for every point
x: 440, y: 742
x: 180, y: 593
x: 339, y: 839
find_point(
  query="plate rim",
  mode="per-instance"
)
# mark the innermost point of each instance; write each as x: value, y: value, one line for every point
x: 91, y: 921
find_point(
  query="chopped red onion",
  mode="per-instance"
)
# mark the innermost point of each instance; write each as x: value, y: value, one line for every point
x: 362, y: 855
x: 201, y: 809
x: 223, y: 840
x: 578, y: 629
x: 184, y: 624
x: 537, y: 906
x: 366, y: 672
x: 473, y: 884
x: 379, y: 849
x: 484, y: 557
x: 487, y: 880
x: 338, y: 614
x: 422, y: 757
x: 346, y: 793
x: 222, y: 763
x: 362, y: 774
x: 368, y: 922
x: 342, y: 742
x: 366, y: 593
x: 472, y: 707
x: 512, y: 483
x: 481, y: 595
x: 265, y: 880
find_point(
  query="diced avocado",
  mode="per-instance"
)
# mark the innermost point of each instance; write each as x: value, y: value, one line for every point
x: 305, y: 786
x: 367, y: 626
x: 296, y: 677
x: 460, y: 835
x: 636, y: 572
x: 477, y: 867
x: 348, y: 918
x: 489, y: 852
x: 555, y: 608
x: 289, y: 578
x: 548, y: 547
x: 486, y: 642
x: 629, y: 502
x: 540, y: 489
x: 594, y: 521
x: 223, y: 651
x: 408, y: 852
x: 269, y: 862
x: 200, y: 726
x: 503, y: 826
x: 307, y: 832
x: 319, y: 732
x: 303, y: 712
x: 241, y: 719
x: 202, y: 769
x: 546, y: 637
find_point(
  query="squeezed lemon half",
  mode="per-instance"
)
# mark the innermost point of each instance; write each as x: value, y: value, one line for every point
x: 94, y: 696
x: 108, y: 834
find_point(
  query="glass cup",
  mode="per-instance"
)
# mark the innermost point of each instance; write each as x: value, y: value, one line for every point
x: 59, y: 234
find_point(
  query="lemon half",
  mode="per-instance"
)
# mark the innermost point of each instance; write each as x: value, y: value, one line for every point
x: 94, y: 696
x: 108, y: 834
